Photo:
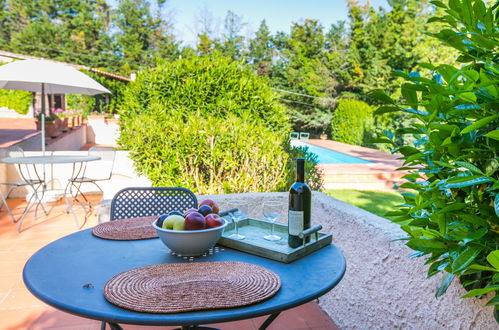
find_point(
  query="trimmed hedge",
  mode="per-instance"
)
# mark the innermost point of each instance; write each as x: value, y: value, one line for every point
x: 207, y: 124
x: 352, y: 122
x: 16, y: 100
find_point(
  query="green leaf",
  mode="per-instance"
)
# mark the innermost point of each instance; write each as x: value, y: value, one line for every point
x: 378, y: 94
x: 466, y: 183
x: 480, y: 123
x: 478, y: 292
x: 493, y: 259
x: 426, y: 245
x: 410, y: 95
x: 438, y: 4
x: 496, y: 204
x: 493, y: 134
x: 386, y: 109
x: 470, y: 167
x: 480, y: 267
x: 464, y: 259
x: 446, y: 281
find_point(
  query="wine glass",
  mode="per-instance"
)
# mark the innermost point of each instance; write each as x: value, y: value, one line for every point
x: 238, y: 215
x: 272, y: 211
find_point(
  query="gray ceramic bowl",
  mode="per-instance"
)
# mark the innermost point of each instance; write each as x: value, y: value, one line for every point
x: 190, y: 242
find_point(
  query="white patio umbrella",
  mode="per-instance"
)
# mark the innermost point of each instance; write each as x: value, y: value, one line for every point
x: 47, y: 77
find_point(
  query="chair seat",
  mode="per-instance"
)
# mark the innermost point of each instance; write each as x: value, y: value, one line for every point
x: 86, y: 179
x: 21, y: 183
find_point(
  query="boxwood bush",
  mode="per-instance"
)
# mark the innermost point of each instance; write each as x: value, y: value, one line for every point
x: 208, y: 124
x: 352, y: 122
x: 452, y: 218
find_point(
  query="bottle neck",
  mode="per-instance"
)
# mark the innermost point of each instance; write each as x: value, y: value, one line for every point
x: 300, y: 170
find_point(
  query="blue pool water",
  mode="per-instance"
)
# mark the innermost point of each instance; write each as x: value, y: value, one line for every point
x: 327, y: 156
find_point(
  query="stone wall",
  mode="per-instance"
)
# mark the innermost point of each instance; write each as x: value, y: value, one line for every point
x: 382, y: 288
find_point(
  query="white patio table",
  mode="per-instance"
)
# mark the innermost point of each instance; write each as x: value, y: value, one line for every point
x: 78, y: 170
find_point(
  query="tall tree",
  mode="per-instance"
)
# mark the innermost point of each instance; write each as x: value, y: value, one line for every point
x: 232, y: 42
x: 261, y: 50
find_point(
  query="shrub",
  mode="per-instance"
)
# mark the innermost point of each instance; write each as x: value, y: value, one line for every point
x: 15, y: 100
x: 207, y: 124
x: 352, y: 122
x: 452, y: 218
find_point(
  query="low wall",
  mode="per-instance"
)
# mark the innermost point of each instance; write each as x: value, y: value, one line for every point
x: 382, y: 287
x: 102, y: 131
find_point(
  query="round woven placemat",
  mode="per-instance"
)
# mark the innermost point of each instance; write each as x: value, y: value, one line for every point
x: 127, y: 229
x: 183, y: 287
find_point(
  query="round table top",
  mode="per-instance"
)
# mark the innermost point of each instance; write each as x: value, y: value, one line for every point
x: 57, y: 159
x: 71, y: 272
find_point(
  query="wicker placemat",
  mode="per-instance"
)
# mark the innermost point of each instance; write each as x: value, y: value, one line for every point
x: 127, y: 229
x: 183, y: 287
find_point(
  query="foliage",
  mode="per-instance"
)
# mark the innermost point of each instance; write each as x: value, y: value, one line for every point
x: 15, y: 100
x: 352, y: 122
x: 100, y: 102
x: 207, y: 124
x: 453, y: 217
x: 377, y: 202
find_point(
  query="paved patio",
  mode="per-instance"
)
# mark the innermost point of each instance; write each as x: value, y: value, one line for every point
x: 19, y: 309
x: 381, y: 174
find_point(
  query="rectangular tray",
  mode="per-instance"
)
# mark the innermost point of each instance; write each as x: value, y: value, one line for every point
x: 254, y: 243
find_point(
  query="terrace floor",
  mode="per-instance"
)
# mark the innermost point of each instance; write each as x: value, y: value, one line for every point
x: 19, y: 309
x: 380, y: 174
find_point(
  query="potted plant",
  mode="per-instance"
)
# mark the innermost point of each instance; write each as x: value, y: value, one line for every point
x: 51, y: 125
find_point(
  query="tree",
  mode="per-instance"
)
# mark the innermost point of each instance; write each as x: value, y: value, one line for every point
x: 261, y: 50
x: 232, y: 42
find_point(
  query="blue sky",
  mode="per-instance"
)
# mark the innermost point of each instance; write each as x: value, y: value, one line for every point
x: 279, y: 14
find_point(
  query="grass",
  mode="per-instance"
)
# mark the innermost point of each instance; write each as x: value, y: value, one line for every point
x: 377, y: 202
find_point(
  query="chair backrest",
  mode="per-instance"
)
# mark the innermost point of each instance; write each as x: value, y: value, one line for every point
x: 294, y: 135
x: 27, y: 171
x: 102, y: 169
x: 146, y: 201
x: 304, y: 135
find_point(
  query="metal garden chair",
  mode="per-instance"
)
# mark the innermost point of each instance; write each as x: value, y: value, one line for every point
x: 101, y: 170
x: 146, y: 201
x: 27, y: 180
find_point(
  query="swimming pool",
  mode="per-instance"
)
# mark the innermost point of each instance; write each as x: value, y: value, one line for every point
x: 327, y: 156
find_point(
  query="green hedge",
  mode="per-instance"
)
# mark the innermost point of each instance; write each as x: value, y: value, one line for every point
x: 352, y: 122
x: 208, y: 124
x: 16, y: 100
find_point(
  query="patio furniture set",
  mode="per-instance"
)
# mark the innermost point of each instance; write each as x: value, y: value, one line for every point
x: 140, y: 281
x: 33, y: 171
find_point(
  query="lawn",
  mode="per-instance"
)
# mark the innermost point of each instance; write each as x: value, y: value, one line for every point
x: 377, y: 202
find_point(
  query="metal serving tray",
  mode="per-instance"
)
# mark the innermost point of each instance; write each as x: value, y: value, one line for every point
x: 254, y: 243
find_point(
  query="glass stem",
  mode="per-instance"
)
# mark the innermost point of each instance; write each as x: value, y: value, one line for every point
x: 237, y: 227
x: 272, y: 229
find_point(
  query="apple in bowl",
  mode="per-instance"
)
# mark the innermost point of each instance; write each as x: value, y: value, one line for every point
x: 191, y: 242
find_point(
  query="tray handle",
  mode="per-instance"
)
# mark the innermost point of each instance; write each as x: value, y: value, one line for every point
x: 227, y: 212
x: 308, y: 232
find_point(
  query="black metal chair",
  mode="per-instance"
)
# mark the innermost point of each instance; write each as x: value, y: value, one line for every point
x: 146, y: 201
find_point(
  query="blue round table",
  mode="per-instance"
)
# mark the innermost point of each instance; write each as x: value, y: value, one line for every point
x: 70, y: 275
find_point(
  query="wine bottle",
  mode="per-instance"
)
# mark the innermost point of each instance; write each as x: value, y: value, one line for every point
x: 300, y: 204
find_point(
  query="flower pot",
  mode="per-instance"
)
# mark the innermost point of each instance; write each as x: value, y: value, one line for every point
x: 51, y: 130
x: 63, y: 124
x: 71, y: 122
x: 323, y: 136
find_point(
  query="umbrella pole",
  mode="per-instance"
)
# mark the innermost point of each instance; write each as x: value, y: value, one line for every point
x: 42, y: 116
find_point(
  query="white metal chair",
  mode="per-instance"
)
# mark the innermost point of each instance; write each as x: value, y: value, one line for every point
x: 27, y: 179
x: 101, y: 170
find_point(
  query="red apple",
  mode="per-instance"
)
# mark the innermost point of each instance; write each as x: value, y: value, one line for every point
x: 194, y: 221
x: 213, y: 220
x: 211, y: 203
x: 189, y: 211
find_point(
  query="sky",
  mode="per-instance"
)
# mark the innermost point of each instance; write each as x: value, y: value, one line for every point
x: 279, y: 14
